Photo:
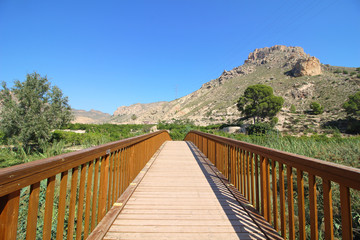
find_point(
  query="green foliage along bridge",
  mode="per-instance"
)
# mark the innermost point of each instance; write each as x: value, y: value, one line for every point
x: 207, y: 187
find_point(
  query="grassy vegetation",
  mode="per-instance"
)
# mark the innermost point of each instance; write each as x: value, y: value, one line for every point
x: 339, y: 150
x: 335, y: 149
x: 64, y: 141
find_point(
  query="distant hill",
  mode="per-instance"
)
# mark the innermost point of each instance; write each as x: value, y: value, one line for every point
x: 296, y: 76
x: 92, y: 116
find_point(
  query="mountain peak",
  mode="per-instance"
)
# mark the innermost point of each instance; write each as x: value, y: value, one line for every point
x: 276, y: 56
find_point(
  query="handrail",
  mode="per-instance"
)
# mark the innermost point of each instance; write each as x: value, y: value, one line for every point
x: 259, y: 174
x: 97, y: 177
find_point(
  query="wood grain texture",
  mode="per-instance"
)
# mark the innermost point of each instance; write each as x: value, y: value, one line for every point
x: 49, y: 205
x: 9, y: 211
x: 180, y: 198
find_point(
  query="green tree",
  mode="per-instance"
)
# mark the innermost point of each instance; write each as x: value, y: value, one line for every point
x: 259, y: 102
x: 31, y: 110
x: 316, y: 108
x: 133, y: 117
x: 352, y: 106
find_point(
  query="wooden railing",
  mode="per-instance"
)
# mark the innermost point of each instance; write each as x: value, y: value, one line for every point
x: 266, y: 178
x: 67, y: 196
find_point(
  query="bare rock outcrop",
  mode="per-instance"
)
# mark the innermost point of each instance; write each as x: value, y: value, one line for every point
x: 307, y: 67
x: 276, y: 56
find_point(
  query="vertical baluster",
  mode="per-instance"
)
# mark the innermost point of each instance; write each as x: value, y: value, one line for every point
x: 233, y: 166
x: 274, y: 199
x: 267, y: 174
x: 282, y: 200
x: 95, y: 194
x: 61, y: 207
x: 257, y: 183
x: 117, y: 183
x: 237, y: 171
x: 252, y: 179
x: 88, y: 200
x: 215, y: 154
x: 9, y: 211
x: 126, y: 169
x: 290, y: 202
x: 346, y: 224
x: 104, y: 177
x: 131, y: 163
x: 49, y: 205
x: 223, y: 156
x: 122, y: 170
x: 301, y: 203
x: 33, y: 211
x: 115, y: 178
x: 74, y: 180
x: 263, y: 185
x: 228, y: 164
x: 248, y: 175
x: 111, y: 176
x: 328, y: 210
x: 81, y: 202
x: 313, y: 208
x: 242, y: 172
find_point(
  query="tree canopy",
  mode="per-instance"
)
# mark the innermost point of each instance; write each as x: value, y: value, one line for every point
x: 352, y: 106
x: 259, y: 102
x: 316, y: 108
x: 31, y: 110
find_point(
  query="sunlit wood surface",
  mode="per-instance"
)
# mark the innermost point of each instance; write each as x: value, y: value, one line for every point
x: 180, y: 197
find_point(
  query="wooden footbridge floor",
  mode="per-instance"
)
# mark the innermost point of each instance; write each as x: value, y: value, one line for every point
x: 181, y: 197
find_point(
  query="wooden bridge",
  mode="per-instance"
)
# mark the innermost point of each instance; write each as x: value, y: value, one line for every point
x: 148, y: 187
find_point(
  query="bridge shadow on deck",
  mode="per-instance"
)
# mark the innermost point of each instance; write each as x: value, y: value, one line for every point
x: 245, y: 220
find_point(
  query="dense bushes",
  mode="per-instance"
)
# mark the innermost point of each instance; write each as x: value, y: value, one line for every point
x: 259, y: 129
x: 316, y: 108
x: 179, y: 129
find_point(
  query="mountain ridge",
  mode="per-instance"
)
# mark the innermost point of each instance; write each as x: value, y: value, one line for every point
x: 296, y: 76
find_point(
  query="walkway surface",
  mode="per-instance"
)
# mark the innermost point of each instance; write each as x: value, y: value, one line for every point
x: 180, y: 197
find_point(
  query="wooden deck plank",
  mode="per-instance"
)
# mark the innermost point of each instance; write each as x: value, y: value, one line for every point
x: 181, y: 198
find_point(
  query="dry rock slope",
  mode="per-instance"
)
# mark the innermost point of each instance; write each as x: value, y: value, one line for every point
x: 296, y: 76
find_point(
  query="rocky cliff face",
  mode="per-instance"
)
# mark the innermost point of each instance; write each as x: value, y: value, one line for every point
x: 276, y: 56
x: 307, y: 67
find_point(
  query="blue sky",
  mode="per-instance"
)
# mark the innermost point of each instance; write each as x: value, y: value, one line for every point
x: 105, y: 54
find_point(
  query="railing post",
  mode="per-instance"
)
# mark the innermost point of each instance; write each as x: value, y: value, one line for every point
x: 345, y: 213
x: 328, y: 210
x: 9, y: 210
x: 290, y: 202
x: 282, y: 200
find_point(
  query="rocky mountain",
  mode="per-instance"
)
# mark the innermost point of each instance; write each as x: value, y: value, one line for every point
x: 296, y: 76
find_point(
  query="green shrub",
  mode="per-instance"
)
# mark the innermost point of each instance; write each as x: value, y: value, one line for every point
x: 345, y: 72
x: 292, y: 108
x: 316, y: 108
x: 358, y: 76
x: 352, y: 106
x: 274, y: 121
x: 69, y: 137
x: 337, y: 71
x: 259, y: 129
x: 352, y: 73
